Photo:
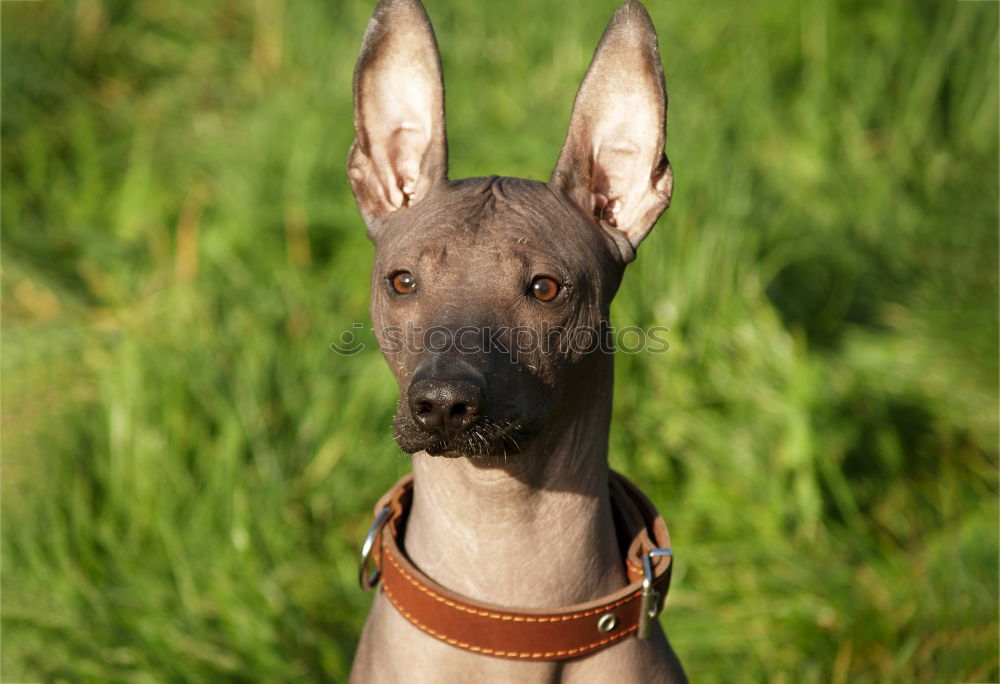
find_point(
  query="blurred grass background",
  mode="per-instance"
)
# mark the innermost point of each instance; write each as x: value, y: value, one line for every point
x: 188, y: 469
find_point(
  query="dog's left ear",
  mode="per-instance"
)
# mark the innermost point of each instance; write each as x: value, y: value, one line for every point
x: 612, y: 164
x: 400, y: 150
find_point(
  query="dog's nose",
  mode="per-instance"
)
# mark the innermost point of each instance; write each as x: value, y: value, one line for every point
x: 445, y: 407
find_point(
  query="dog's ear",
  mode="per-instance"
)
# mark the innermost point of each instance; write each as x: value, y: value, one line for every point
x: 612, y: 164
x: 399, y: 150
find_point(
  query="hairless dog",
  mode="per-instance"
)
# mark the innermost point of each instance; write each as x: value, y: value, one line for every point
x: 512, y: 513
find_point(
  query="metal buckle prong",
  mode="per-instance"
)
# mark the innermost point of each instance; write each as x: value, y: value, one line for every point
x: 650, y: 597
x: 368, y: 581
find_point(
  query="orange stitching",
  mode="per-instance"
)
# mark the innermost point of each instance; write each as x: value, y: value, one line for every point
x: 498, y: 616
x: 496, y: 652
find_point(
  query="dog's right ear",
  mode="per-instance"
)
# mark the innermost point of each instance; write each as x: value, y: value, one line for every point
x: 399, y: 150
x: 612, y: 164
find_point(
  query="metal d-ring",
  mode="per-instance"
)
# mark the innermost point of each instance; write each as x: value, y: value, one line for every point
x: 650, y: 597
x: 366, y: 580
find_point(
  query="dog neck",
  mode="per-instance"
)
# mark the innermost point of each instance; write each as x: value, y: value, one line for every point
x: 530, y: 530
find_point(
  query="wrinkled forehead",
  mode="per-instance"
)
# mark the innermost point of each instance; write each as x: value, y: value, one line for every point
x: 505, y: 215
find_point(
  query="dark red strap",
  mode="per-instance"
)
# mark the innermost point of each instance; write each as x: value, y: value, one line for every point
x: 528, y: 634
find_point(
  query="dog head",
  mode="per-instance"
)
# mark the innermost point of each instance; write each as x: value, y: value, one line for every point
x: 489, y: 295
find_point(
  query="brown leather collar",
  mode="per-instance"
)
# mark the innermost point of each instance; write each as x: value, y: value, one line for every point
x: 526, y: 634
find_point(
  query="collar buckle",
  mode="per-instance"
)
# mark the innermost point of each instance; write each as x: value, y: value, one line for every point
x: 649, y: 605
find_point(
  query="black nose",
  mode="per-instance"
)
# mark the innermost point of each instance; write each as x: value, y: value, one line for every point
x: 445, y: 407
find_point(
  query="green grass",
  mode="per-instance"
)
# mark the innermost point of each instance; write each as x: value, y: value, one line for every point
x: 188, y: 469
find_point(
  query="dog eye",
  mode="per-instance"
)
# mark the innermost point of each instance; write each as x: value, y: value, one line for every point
x: 403, y: 282
x: 544, y: 288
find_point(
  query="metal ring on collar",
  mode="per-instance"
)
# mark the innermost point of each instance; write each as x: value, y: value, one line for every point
x: 366, y: 580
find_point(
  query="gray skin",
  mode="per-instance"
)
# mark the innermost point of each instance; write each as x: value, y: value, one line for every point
x: 509, y: 441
